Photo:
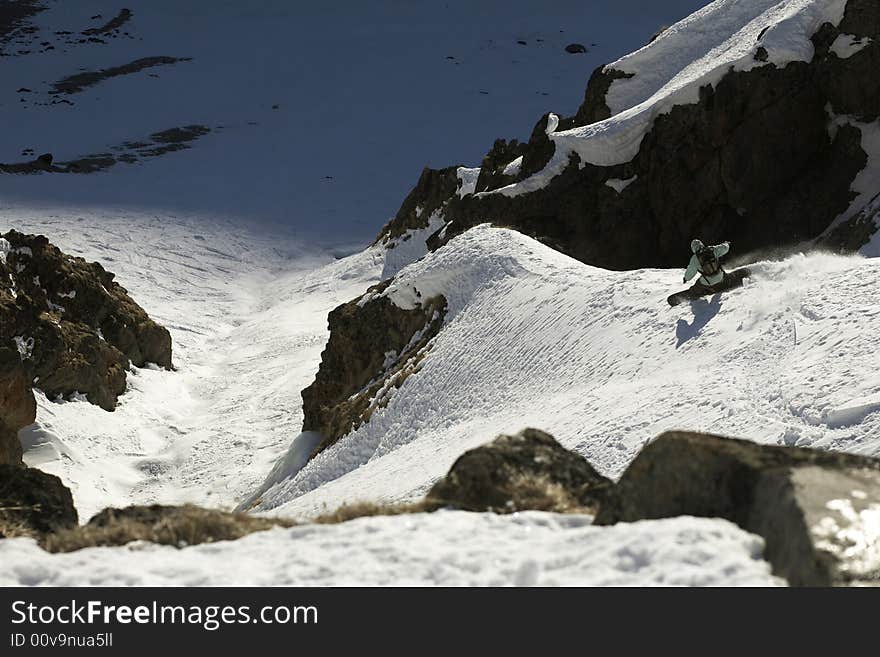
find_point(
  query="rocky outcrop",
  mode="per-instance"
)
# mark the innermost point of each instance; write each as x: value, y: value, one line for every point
x: 528, y: 471
x: 760, y: 160
x: 373, y: 347
x: 816, y: 510
x: 75, y: 329
x: 33, y: 502
x: 432, y: 192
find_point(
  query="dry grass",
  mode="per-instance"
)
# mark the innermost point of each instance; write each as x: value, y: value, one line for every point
x: 366, y: 509
x: 10, y: 527
x: 179, y: 526
x: 182, y: 526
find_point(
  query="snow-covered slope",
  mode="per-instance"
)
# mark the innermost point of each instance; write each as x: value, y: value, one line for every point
x: 247, y: 315
x: 446, y: 548
x: 598, y: 359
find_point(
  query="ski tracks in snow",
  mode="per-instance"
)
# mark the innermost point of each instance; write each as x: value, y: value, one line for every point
x: 533, y: 338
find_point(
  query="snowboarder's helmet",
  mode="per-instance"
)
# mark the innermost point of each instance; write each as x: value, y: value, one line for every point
x: 696, y: 246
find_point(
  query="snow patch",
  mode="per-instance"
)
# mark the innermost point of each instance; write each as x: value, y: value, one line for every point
x: 513, y: 168
x: 847, y: 45
x: 467, y: 180
x: 25, y: 346
x: 5, y: 248
x: 410, y: 246
x: 619, y: 185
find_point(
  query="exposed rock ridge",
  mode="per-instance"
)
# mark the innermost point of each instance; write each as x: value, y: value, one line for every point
x: 758, y: 160
x: 373, y: 347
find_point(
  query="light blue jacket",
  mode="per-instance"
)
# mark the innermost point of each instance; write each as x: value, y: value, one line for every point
x: 693, y: 267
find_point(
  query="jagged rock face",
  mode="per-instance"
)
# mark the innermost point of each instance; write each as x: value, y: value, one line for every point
x: 756, y: 161
x: 18, y: 408
x: 32, y: 501
x: 373, y: 346
x: 77, y: 328
x: 433, y: 190
x: 492, y: 174
x: 813, y: 508
x: 528, y: 471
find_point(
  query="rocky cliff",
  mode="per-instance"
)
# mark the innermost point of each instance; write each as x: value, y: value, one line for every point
x: 66, y: 327
x: 765, y: 157
x: 374, y: 346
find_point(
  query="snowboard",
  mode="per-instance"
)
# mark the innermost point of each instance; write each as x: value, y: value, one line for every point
x: 731, y: 281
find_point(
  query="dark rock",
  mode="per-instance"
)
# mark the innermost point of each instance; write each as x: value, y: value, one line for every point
x: 813, y: 508
x: 491, y: 169
x: 354, y: 367
x: 854, y: 233
x: 594, y: 107
x: 73, y: 84
x: 18, y: 408
x: 82, y: 326
x: 528, y: 471
x: 115, y: 23
x: 32, y: 501
x: 44, y: 160
x: 432, y: 191
x: 575, y: 48
x: 761, y: 54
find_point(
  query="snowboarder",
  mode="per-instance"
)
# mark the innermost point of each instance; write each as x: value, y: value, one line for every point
x: 706, y: 262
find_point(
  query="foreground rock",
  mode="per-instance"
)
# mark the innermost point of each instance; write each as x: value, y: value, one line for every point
x: 33, y: 502
x: 75, y: 329
x: 819, y: 512
x: 528, y: 471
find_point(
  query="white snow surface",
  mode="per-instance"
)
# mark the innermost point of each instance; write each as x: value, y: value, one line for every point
x: 618, y: 184
x: 248, y: 319
x: 447, y: 548
x: 697, y: 51
x: 847, y: 45
x: 467, y: 180
x: 598, y: 359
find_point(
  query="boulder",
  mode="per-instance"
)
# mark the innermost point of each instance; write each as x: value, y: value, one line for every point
x: 575, y: 48
x: 527, y: 471
x: 33, y: 502
x: 817, y: 511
